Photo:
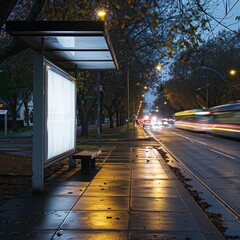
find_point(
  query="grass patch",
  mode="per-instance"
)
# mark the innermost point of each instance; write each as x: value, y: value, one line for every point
x: 15, y: 146
x: 25, y: 129
x: 19, y: 130
x: 86, y: 147
x: 107, y: 134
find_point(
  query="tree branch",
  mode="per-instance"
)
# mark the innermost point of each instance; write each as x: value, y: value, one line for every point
x: 15, y: 46
x: 5, y: 10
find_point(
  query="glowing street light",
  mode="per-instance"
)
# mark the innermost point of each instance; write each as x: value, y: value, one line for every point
x: 102, y: 14
x: 158, y: 67
x: 232, y: 72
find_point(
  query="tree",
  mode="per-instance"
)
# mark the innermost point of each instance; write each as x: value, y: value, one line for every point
x: 16, y: 83
x: 143, y: 32
x: 86, y: 99
x: 204, y: 80
x: 5, y: 10
x: 29, y: 11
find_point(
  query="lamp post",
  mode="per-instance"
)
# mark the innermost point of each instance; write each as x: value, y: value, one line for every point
x: 128, y: 100
x: 207, y: 94
x: 98, y: 107
x: 102, y: 14
x: 215, y: 71
x: 219, y: 74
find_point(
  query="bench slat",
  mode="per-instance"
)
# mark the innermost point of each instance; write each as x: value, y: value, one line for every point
x: 87, y: 153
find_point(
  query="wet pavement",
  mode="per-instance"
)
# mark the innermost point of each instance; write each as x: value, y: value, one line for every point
x: 133, y: 194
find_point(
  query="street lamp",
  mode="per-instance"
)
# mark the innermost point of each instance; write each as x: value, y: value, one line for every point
x: 102, y: 14
x: 233, y: 72
x: 139, y: 107
x: 202, y: 88
x: 128, y: 98
x: 219, y: 74
x: 215, y: 71
x: 158, y: 67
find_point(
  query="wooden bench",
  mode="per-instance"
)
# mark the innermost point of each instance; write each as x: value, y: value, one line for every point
x: 88, y: 162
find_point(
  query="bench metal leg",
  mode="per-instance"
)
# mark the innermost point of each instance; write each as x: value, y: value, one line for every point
x: 93, y: 164
x: 86, y: 166
x: 72, y: 162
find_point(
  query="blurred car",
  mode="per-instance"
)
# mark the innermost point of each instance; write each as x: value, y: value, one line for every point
x: 165, y: 122
x: 171, y: 121
x: 147, y: 123
x: 156, y: 125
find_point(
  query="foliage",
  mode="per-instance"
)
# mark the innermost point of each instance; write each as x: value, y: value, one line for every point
x: 143, y: 33
x: 16, y: 82
x: 204, y: 80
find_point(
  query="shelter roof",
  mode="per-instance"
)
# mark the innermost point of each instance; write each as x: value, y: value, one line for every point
x: 69, y: 44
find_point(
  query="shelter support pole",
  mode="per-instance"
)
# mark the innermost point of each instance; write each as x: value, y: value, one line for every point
x: 39, y: 132
x: 98, y: 107
x: 72, y: 161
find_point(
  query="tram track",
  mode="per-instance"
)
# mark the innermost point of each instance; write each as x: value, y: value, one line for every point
x: 189, y: 173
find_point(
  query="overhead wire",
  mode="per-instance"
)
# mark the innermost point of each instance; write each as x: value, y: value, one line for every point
x: 219, y: 22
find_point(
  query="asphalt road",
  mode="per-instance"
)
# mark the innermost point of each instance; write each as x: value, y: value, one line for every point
x: 216, y: 161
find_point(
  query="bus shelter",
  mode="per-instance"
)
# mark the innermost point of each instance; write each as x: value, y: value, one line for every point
x: 62, y: 47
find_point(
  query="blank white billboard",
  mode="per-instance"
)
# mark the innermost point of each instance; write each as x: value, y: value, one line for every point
x: 60, y: 112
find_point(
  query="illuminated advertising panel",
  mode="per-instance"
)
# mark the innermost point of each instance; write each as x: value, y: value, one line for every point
x: 60, y: 112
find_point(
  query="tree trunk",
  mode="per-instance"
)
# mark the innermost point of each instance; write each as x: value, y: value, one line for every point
x: 101, y: 111
x: 83, y: 118
x: 26, y: 112
x: 14, y: 117
x: 117, y: 118
x: 84, y: 130
x: 110, y: 115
